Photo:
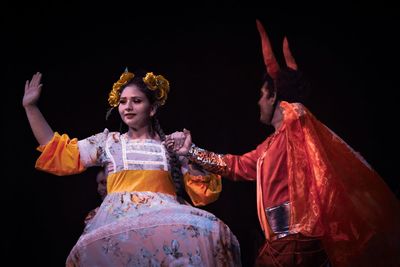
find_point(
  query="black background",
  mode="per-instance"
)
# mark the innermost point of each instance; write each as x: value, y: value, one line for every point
x: 212, y: 58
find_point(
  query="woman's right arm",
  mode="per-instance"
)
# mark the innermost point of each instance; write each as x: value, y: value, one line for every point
x: 40, y: 128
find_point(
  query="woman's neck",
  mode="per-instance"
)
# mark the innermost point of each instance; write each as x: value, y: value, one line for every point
x: 142, y: 133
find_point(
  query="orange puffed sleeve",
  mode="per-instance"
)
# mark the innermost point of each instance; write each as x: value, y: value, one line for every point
x: 203, y: 190
x: 60, y: 156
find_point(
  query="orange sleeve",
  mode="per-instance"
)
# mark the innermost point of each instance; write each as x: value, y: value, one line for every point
x: 60, y: 156
x: 203, y: 190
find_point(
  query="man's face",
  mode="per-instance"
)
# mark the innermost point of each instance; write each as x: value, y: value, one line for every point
x: 266, y: 104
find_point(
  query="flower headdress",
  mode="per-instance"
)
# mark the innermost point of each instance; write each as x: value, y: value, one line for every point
x: 159, y: 84
x: 153, y: 82
x: 114, y: 95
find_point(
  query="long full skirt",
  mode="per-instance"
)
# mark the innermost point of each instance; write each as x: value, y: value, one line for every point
x: 153, y: 229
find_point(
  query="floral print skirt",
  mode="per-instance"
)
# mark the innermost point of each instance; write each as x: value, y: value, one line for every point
x: 153, y: 229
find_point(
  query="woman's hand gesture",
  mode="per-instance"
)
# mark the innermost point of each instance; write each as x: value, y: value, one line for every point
x: 32, y: 90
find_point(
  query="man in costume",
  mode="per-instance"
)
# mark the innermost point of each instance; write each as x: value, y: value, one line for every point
x: 319, y: 203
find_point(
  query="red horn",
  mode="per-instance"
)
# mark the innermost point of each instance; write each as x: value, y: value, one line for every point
x: 269, y: 57
x: 290, y: 62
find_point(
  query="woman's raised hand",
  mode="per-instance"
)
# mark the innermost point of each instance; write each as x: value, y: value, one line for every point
x: 32, y: 90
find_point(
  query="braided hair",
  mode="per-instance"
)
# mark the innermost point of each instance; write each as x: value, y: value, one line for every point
x: 173, y: 160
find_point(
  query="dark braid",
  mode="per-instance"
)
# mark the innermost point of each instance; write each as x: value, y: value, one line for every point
x: 173, y: 160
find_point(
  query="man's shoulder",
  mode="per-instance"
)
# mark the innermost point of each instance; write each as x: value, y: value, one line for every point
x: 300, y: 109
x: 294, y: 110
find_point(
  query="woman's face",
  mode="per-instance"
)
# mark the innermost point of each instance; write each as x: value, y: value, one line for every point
x: 135, y: 108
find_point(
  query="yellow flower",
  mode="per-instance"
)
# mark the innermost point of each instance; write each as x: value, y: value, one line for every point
x: 113, y: 96
x: 159, y: 84
x: 151, y: 81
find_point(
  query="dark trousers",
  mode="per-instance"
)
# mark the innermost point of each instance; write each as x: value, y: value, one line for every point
x: 293, y: 250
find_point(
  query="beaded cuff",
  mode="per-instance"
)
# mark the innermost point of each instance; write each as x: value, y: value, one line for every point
x: 210, y: 161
